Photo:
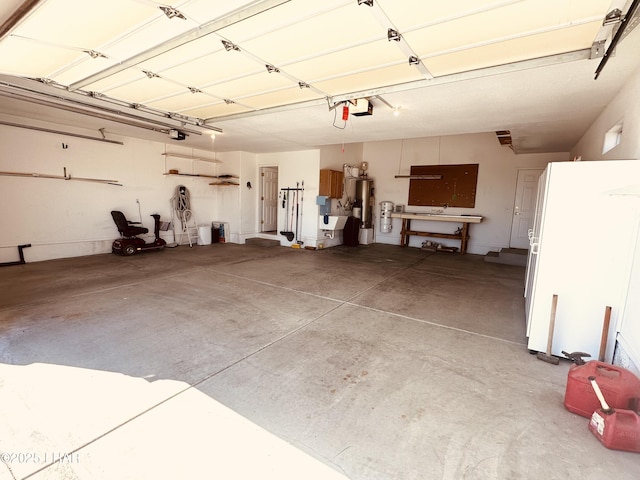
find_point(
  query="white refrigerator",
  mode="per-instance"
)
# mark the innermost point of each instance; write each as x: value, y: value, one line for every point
x: 581, y: 249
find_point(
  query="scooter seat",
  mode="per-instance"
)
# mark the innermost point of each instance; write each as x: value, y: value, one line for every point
x: 125, y: 227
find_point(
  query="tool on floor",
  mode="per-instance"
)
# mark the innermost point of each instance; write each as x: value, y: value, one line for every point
x: 297, y: 198
x: 605, y: 333
x: 287, y: 201
x: 286, y: 232
x: 293, y: 208
x: 576, y: 357
x: 20, y: 254
x: 300, y: 242
x: 299, y: 194
x: 547, y: 357
x: 615, y: 429
x: 292, y: 196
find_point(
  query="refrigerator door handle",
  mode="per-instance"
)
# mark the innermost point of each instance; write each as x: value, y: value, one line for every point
x: 534, y: 247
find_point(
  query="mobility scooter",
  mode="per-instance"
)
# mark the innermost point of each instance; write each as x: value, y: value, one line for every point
x: 130, y: 243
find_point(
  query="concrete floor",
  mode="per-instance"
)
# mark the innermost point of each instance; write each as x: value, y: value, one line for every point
x: 235, y: 361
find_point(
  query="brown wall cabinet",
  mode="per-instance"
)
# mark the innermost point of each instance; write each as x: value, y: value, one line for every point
x: 331, y: 183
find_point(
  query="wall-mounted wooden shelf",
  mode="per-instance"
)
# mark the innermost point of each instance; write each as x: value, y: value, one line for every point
x: 190, y: 175
x: 225, y: 184
x: 61, y: 177
x: 191, y: 157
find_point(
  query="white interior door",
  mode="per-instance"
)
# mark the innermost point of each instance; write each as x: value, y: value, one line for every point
x: 533, y: 243
x: 524, y: 207
x: 269, y: 199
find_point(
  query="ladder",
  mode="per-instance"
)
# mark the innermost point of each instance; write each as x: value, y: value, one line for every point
x: 189, y: 227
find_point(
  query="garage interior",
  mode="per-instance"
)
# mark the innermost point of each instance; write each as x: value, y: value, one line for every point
x: 242, y: 359
x: 375, y: 363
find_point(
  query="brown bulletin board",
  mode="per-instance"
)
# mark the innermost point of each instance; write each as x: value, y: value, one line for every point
x: 456, y: 188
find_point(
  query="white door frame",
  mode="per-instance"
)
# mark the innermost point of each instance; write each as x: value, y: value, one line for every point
x: 524, y: 205
x: 268, y: 205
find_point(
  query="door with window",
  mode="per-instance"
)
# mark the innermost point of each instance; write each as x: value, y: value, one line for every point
x: 524, y: 207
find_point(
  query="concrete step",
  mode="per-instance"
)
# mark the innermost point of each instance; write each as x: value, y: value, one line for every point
x: 262, y: 242
x: 508, y: 256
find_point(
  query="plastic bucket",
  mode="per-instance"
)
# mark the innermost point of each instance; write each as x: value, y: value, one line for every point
x: 204, y: 235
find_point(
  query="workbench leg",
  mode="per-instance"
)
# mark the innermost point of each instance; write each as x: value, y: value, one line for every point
x: 465, y: 237
x: 404, y: 238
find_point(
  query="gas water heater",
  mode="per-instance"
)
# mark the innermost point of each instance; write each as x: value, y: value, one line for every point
x: 364, y: 194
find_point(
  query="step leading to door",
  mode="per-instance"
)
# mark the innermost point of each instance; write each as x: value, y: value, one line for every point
x: 262, y: 242
x: 508, y: 256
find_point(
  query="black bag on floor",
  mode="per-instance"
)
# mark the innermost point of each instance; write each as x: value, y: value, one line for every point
x: 351, y: 232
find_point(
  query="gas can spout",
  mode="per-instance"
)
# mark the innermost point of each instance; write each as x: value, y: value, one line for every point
x: 606, y: 409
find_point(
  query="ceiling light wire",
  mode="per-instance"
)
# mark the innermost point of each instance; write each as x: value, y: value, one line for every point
x: 335, y: 118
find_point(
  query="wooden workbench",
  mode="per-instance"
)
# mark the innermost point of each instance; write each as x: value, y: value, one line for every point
x: 463, y: 236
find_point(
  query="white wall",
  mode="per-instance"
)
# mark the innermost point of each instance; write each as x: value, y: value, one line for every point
x: 625, y: 108
x: 497, y: 177
x: 72, y: 218
x: 334, y: 157
x: 498, y: 169
x: 294, y: 169
x: 62, y: 218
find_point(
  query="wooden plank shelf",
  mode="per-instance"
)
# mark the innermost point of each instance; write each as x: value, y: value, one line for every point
x: 191, y: 175
x: 201, y: 175
x: 190, y: 157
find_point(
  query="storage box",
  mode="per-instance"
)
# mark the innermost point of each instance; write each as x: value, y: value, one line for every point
x: 223, y: 231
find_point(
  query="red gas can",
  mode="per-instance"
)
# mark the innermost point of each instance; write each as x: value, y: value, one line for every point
x: 619, y: 430
x: 619, y: 386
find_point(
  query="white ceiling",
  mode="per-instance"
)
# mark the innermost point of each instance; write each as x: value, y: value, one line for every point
x: 480, y: 66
